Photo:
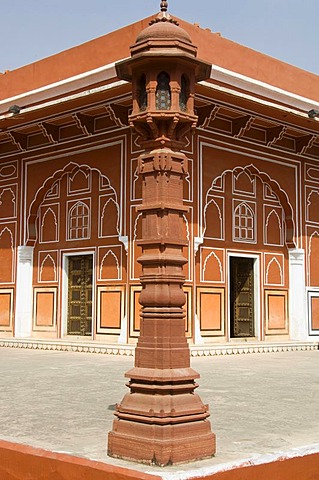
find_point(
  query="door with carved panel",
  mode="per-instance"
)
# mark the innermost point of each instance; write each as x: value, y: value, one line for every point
x: 242, y: 297
x: 80, y: 276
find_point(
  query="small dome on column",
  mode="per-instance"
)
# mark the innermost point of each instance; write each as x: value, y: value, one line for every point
x: 163, y: 26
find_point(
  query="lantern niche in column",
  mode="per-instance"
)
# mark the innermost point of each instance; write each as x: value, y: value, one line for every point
x: 161, y: 420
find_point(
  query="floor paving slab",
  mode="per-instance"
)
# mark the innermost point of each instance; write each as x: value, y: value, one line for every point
x: 260, y: 405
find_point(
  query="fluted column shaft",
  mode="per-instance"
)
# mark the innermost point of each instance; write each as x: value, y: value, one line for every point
x: 162, y: 297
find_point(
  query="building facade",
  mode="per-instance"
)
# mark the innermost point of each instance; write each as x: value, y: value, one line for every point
x: 71, y: 194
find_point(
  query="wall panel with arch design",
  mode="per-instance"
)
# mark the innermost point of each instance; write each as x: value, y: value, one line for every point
x: 247, y: 206
x: 77, y: 207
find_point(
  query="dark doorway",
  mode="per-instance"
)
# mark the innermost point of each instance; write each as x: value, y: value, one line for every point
x: 242, y: 297
x: 80, y: 295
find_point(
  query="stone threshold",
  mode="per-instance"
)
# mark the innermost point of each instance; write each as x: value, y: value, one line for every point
x: 128, y: 350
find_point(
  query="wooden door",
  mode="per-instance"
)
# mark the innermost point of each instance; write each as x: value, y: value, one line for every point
x: 80, y: 295
x: 242, y: 297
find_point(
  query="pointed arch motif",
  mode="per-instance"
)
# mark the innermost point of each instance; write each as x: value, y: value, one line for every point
x: 210, y: 272
x: 109, y: 222
x: 213, y: 220
x: 49, y: 227
x: 244, y: 183
x: 48, y: 271
x: 163, y: 92
x: 7, y: 203
x: 70, y: 168
x: 273, y: 229
x: 79, y: 181
x: 312, y: 212
x: 110, y: 267
x: 6, y: 255
x: 274, y: 274
x: 275, y: 187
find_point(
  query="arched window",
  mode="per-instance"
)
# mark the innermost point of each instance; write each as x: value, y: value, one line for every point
x: 142, y: 97
x: 163, y: 92
x: 79, y: 221
x: 244, y: 223
x: 183, y: 96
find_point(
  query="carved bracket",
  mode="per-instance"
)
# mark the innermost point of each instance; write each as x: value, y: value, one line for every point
x: 305, y: 142
x: 206, y: 115
x: 241, y: 125
x: 19, y: 139
x: 85, y: 122
x: 274, y: 134
x: 119, y: 114
x: 52, y: 132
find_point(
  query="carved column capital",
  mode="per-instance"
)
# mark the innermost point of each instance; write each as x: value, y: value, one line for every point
x: 25, y: 254
x: 296, y: 256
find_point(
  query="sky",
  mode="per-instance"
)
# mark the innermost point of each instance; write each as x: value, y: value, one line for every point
x: 34, y: 29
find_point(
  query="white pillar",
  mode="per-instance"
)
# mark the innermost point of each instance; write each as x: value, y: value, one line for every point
x: 297, y: 295
x: 23, y: 311
x: 198, y: 339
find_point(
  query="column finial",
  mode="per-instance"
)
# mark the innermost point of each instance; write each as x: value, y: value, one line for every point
x: 164, y: 6
x: 163, y: 15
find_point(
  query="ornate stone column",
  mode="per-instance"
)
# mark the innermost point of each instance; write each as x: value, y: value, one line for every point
x: 162, y: 420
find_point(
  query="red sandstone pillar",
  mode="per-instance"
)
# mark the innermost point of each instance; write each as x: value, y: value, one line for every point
x: 162, y: 420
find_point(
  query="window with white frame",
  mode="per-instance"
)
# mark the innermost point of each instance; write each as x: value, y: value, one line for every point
x: 244, y: 230
x: 79, y: 221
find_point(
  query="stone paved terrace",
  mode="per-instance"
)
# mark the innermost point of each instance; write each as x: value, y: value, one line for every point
x: 64, y: 401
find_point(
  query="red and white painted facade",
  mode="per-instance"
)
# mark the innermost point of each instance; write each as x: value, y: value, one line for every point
x: 69, y: 188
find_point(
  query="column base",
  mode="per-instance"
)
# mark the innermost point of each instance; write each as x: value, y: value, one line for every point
x: 161, y: 421
x: 162, y: 446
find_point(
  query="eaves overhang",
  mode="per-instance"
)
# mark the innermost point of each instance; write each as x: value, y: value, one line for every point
x: 106, y: 77
x: 63, y: 88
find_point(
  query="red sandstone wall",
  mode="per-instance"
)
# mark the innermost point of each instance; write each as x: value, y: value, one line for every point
x: 102, y: 178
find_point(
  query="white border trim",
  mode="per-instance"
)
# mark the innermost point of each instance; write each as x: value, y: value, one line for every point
x: 287, y: 109
x: 62, y: 87
x: 261, y: 88
x: 51, y: 103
